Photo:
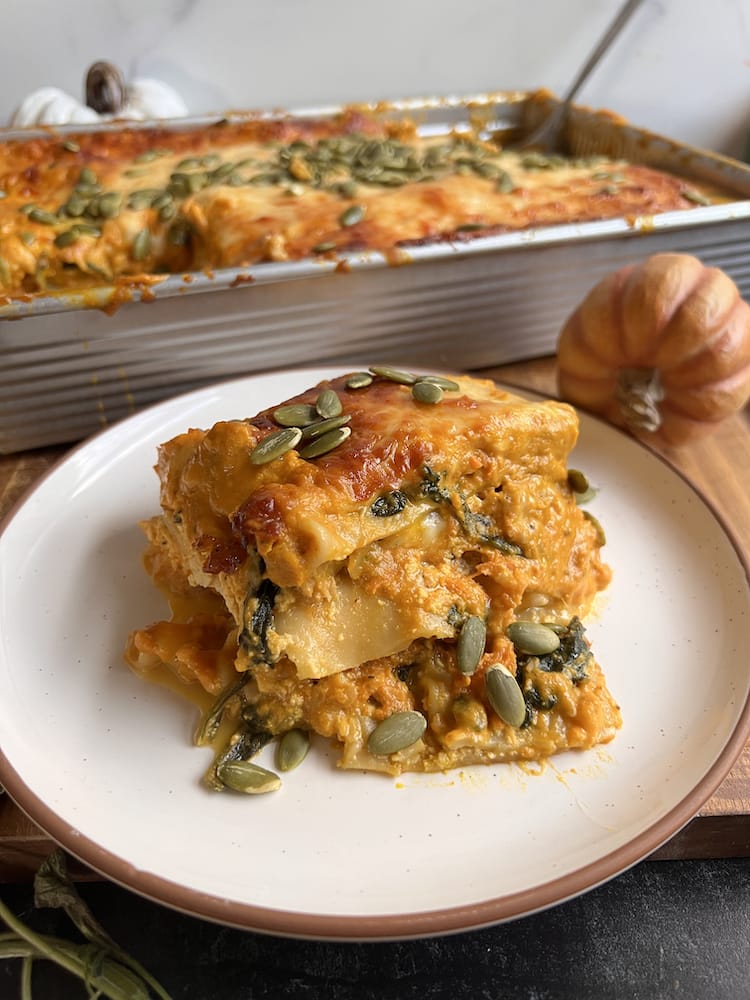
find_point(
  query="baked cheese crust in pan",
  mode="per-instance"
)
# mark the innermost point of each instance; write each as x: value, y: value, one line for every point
x: 116, y: 206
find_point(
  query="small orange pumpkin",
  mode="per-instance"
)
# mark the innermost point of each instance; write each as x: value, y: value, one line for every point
x: 661, y: 348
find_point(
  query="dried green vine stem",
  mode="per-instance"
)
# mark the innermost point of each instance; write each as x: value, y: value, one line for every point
x: 101, y: 965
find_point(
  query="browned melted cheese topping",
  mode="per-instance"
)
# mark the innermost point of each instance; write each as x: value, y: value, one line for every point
x: 131, y: 205
x: 359, y: 600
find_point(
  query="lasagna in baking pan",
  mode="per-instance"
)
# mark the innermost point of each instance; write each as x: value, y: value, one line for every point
x: 111, y: 206
x: 400, y: 564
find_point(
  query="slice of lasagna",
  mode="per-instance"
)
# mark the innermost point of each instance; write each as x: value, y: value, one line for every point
x: 399, y: 564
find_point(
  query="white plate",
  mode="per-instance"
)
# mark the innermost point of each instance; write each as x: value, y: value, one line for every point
x: 104, y: 763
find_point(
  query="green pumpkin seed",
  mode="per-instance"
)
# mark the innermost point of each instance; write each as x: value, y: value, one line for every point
x: 27, y: 209
x: 222, y: 171
x: 292, y: 749
x: 328, y: 404
x: 600, y: 534
x: 161, y: 199
x: 66, y: 238
x: 359, y: 380
x: 75, y: 206
x: 87, y: 190
x: 533, y: 638
x: 577, y: 481
x: 352, y: 215
x: 40, y: 215
x: 445, y: 383
x: 324, y: 426
x: 147, y: 157
x: 394, y: 375
x: 275, y: 445
x: 87, y: 177
x: 505, y: 696
x: 427, y: 392
x: 167, y: 212
x: 109, y: 205
x: 324, y: 247
x: 27, y: 238
x: 244, y: 776
x: 191, y: 163
x: 325, y: 443
x: 398, y: 731
x: 141, y: 247
x: 505, y: 183
x: 142, y: 197
x: 84, y: 229
x: 295, y: 415
x: 71, y: 147
x: 470, y: 646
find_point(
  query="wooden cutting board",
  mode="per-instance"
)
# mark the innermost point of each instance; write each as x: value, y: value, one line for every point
x: 718, y: 466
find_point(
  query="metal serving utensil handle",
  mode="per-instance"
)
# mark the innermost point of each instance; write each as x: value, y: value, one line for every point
x: 627, y: 10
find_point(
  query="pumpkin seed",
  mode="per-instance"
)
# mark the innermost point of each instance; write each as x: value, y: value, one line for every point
x: 87, y: 190
x: 323, y: 426
x: 210, y: 160
x: 295, y: 415
x: 84, y: 229
x: 328, y: 404
x: 398, y: 731
x: 71, y: 147
x: 275, y: 445
x: 161, y: 199
x: 87, y: 177
x: 600, y: 535
x: 167, y: 212
x: 445, y: 383
x: 222, y: 171
x: 325, y: 443
x: 66, y: 238
x: 470, y: 646
x: 136, y: 172
x: 505, y: 183
x: 324, y: 247
x: 42, y: 216
x: 292, y: 749
x: 394, y: 375
x: 359, y: 380
x: 533, y: 638
x: 427, y: 392
x: 141, y: 247
x: 505, y: 696
x: 147, y: 157
x: 352, y: 215
x: 27, y: 238
x: 244, y: 776
x: 142, y: 197
x: 27, y: 209
x: 109, y: 205
x: 577, y: 481
x: 696, y: 197
x: 191, y: 163
x: 75, y: 206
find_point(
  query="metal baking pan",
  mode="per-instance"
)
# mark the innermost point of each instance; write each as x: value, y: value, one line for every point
x: 68, y: 367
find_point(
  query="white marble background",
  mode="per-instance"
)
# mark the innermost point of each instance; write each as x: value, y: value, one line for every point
x: 681, y: 67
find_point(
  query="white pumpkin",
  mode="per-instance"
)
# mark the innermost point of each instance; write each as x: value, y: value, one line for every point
x: 108, y: 98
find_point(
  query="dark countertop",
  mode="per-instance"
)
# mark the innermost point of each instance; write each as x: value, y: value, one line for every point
x: 665, y: 930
